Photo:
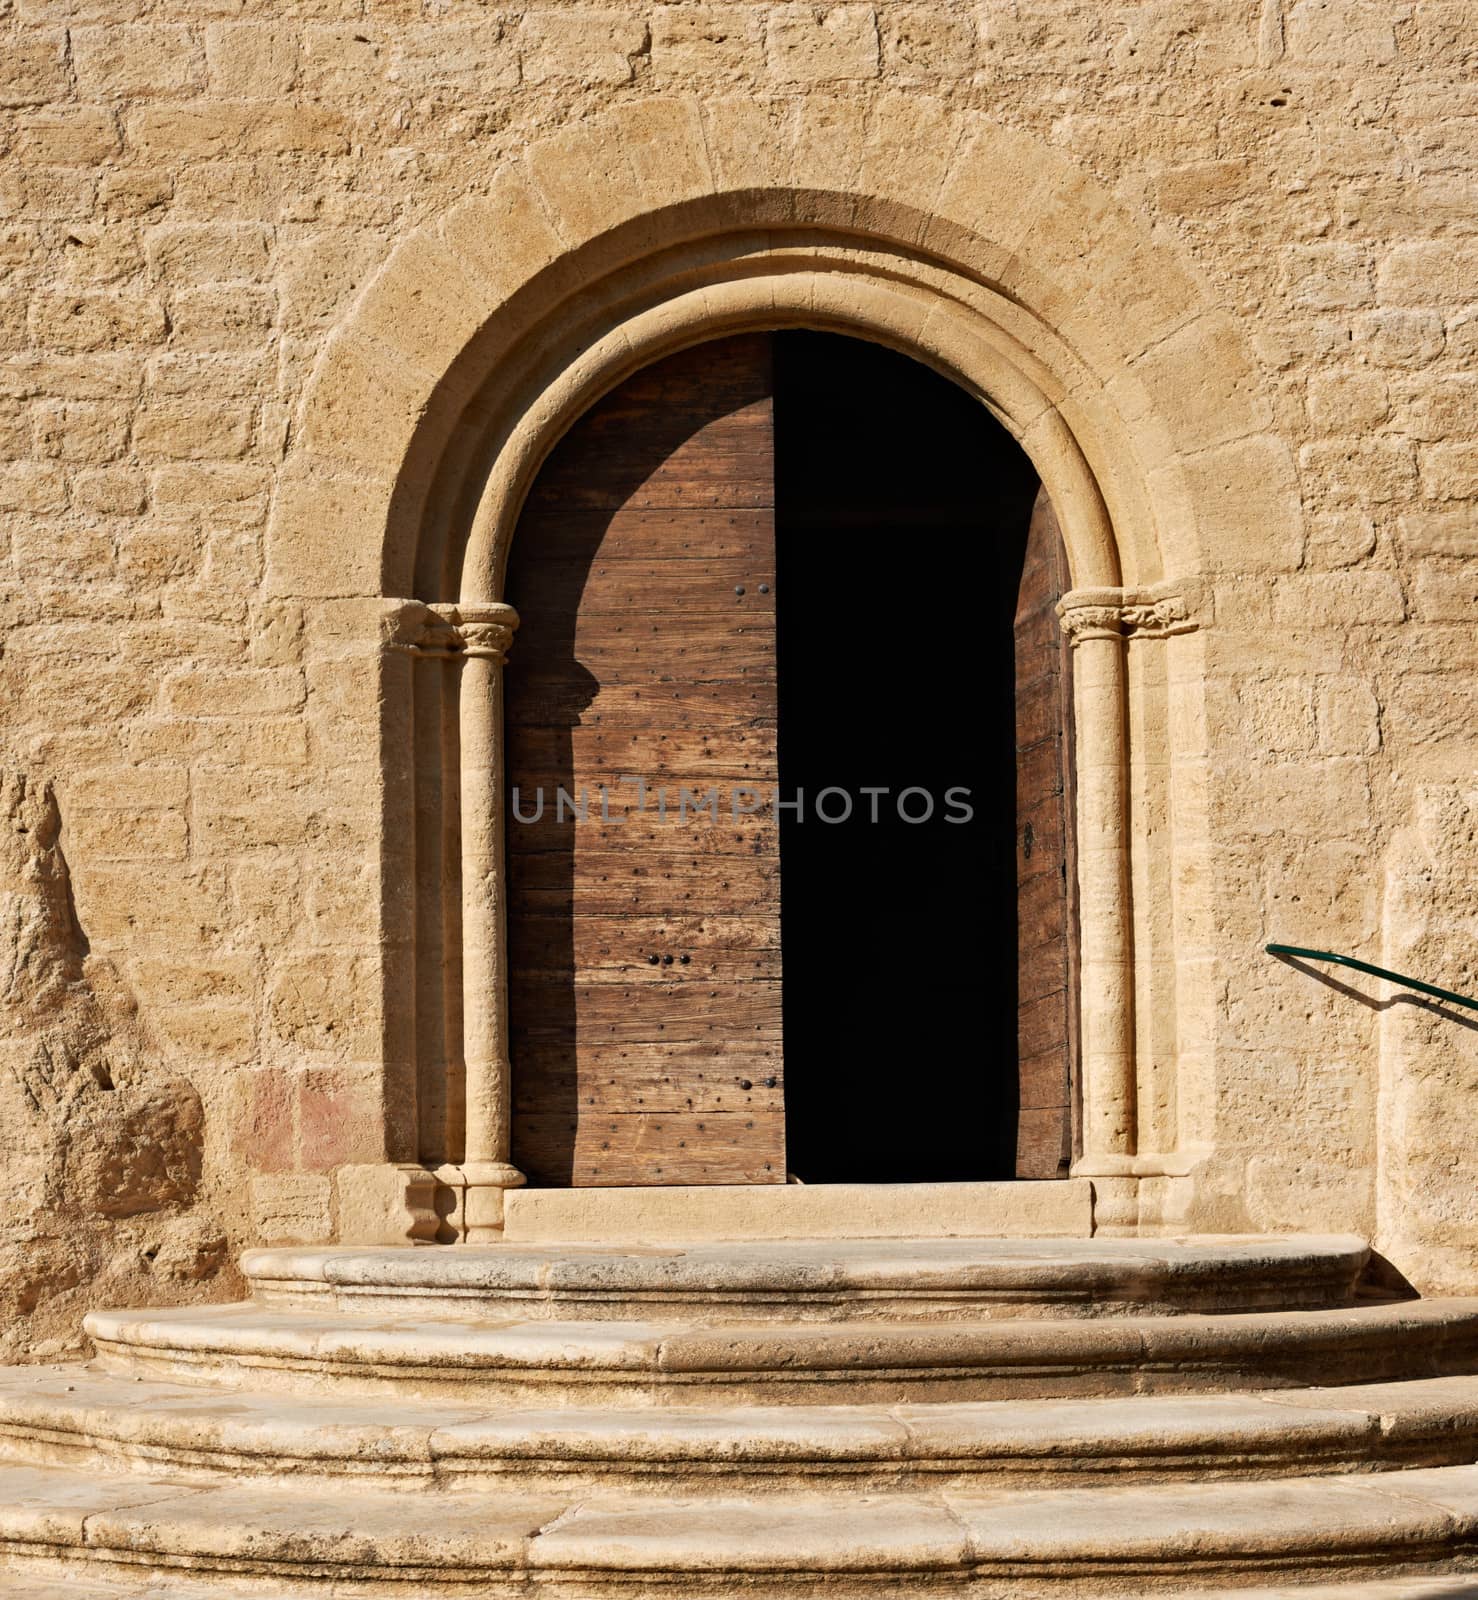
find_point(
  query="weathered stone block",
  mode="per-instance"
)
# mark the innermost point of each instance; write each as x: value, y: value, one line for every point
x: 1450, y: 471
x: 1340, y: 33
x: 324, y: 1002
x: 251, y: 60
x: 1349, y: 717
x: 701, y: 41
x: 336, y: 1127
x: 95, y: 320
x: 1445, y: 532
x: 1409, y: 339
x: 1428, y: 272
x: 1441, y: 408
x: 560, y: 169
x: 1343, y: 401
x: 505, y: 236
x: 207, y: 252
x: 208, y: 1035
x: 230, y: 492
x: 822, y: 44
x: 229, y: 979
x: 1321, y: 799
x: 920, y: 44
x: 1204, y: 187
x: 130, y: 834
x: 32, y: 486
x: 1200, y: 376
x: 264, y: 1119
x: 1428, y: 708
x: 33, y: 69
x: 294, y: 555
x: 1278, y: 716
x: 238, y: 692
x: 130, y: 61
x: 1444, y: 591
x: 182, y: 431
x: 1264, y: 505
x: 224, y: 319
x: 81, y: 431
x: 114, y: 492
x: 664, y: 145
x: 581, y: 46
x: 319, y: 276
x: 226, y: 128
x: 79, y: 136
x: 292, y: 1207
x: 1360, y: 470
x: 132, y: 786
x: 478, y: 57
x: 1324, y: 276
x: 340, y: 60
x: 1338, y: 599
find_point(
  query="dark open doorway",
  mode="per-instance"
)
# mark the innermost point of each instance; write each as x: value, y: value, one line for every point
x: 902, y: 518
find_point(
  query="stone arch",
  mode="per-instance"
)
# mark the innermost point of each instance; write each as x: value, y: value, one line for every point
x: 970, y: 245
x: 1162, y: 395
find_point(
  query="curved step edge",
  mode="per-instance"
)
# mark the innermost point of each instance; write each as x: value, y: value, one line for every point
x: 801, y: 1280
x: 71, y: 1417
x: 72, y: 1584
x: 248, y: 1345
x: 1159, y: 1539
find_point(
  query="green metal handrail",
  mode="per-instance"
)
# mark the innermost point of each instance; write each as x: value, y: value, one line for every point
x: 1375, y: 972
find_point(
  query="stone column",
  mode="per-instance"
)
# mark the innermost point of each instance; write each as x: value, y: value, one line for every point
x: 1096, y: 632
x: 1097, y: 623
x: 486, y: 631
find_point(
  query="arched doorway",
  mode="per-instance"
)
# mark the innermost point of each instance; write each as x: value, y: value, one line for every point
x: 776, y: 904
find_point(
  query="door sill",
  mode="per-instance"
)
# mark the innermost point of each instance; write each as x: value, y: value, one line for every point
x: 1053, y: 1209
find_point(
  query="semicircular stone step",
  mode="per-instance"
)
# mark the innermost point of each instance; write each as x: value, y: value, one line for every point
x: 664, y: 1363
x: 817, y: 1280
x: 1167, y: 1538
x: 85, y: 1420
x: 70, y: 1585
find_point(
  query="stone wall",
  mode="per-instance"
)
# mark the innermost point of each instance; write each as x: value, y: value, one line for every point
x: 191, y: 198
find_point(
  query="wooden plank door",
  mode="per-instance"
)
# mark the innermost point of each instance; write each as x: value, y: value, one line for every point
x: 644, y: 940
x: 1046, y: 1014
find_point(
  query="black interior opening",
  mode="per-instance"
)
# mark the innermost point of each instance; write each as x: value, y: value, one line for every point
x: 902, y: 511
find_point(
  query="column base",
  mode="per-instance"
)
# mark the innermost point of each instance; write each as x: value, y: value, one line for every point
x: 1115, y: 1207
x: 1142, y: 1194
x: 477, y: 1188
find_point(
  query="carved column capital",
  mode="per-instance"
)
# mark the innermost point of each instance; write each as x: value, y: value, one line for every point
x: 1157, y: 618
x: 485, y: 629
x: 469, y: 630
x: 1122, y: 614
x: 416, y: 629
x: 1081, y: 621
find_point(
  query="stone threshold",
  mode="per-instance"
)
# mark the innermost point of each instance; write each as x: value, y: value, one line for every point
x: 1058, y: 1208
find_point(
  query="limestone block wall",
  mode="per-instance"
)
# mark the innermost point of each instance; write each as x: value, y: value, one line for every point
x: 193, y: 196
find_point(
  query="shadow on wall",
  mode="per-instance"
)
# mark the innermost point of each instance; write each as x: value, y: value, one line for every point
x: 1436, y: 1008
x: 100, y: 1157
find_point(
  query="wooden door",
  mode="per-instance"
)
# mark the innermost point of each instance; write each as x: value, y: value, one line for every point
x: 644, y: 940
x: 1046, y: 1014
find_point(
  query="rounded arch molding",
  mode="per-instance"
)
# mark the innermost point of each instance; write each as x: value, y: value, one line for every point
x: 959, y: 241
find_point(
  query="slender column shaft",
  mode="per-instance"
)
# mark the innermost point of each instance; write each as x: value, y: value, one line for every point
x: 1106, y: 937
x: 486, y: 631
